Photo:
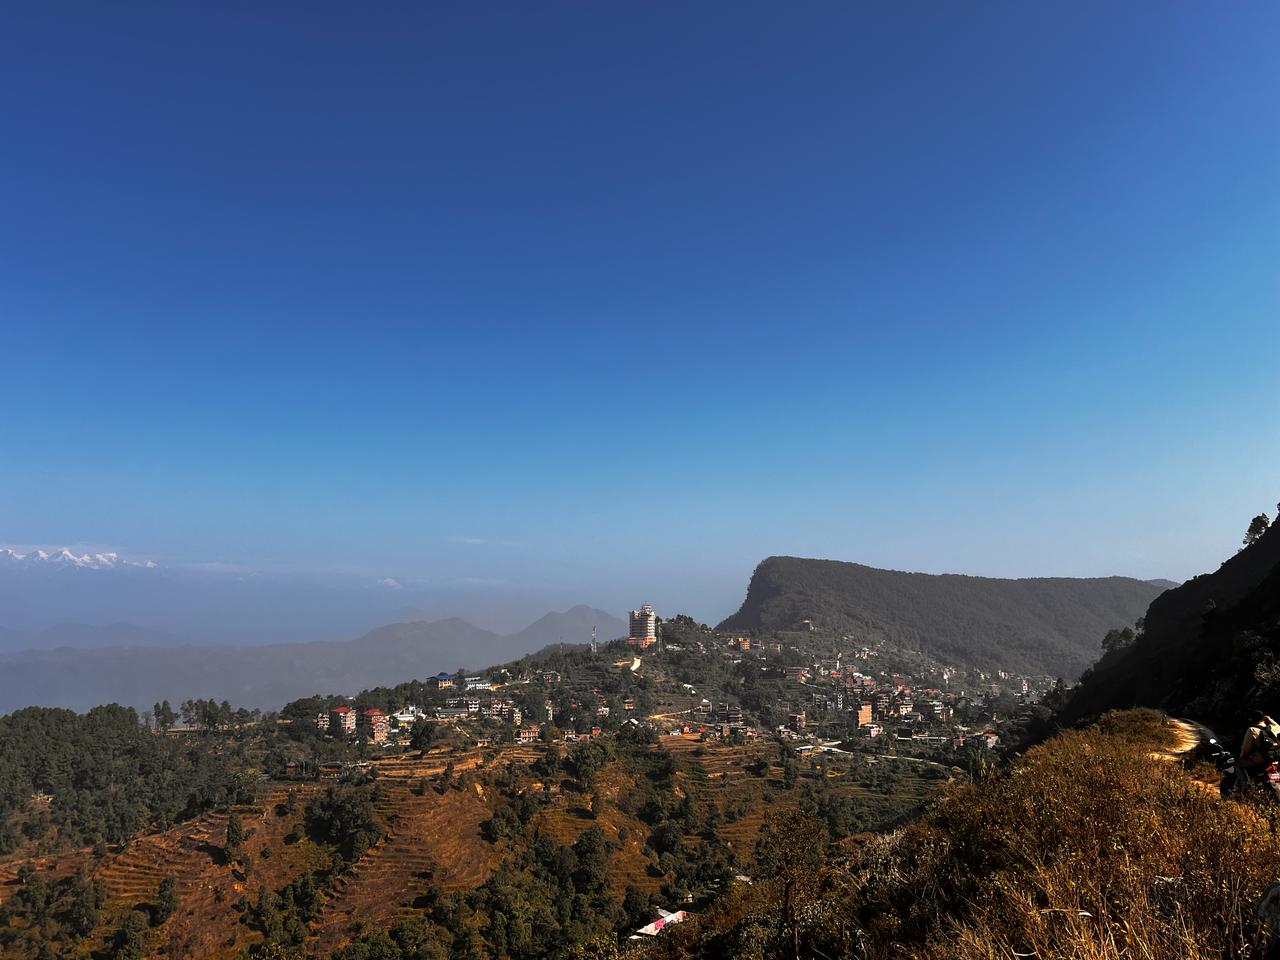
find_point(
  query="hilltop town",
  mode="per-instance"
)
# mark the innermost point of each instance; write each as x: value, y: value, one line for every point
x: 650, y: 761
x: 813, y: 692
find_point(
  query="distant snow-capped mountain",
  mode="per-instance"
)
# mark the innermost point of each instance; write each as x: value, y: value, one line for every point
x: 44, y: 588
x: 68, y: 558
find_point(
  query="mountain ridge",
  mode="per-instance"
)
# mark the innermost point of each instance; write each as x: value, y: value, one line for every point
x: 269, y: 675
x: 87, y: 636
x: 1050, y: 625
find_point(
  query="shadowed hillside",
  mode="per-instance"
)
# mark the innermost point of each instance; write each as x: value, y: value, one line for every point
x: 1046, y: 625
x: 1210, y: 648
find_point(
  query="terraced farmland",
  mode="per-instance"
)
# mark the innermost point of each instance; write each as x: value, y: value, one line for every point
x: 432, y: 838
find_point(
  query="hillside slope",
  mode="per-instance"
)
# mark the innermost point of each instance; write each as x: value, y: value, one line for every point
x: 86, y: 636
x: 1043, y: 625
x: 1210, y: 648
x: 451, y: 849
x: 1089, y: 847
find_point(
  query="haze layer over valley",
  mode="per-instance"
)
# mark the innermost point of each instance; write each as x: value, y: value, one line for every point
x: 75, y: 598
x: 1047, y: 626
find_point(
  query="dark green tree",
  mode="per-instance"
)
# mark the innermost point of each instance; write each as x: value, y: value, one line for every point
x: 592, y: 851
x: 166, y: 901
x: 791, y: 849
x: 1257, y: 527
x: 164, y: 716
x: 86, y: 899
x: 424, y: 731
x: 235, y: 836
x: 130, y: 940
x: 1118, y: 639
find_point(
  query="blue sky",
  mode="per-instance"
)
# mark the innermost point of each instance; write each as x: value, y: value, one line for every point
x: 613, y: 300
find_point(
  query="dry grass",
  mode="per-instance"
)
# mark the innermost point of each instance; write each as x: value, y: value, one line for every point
x: 1089, y: 848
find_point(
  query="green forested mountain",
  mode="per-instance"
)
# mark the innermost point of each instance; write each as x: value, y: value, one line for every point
x: 1048, y: 625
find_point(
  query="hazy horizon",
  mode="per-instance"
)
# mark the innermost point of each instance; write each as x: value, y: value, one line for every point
x: 233, y: 604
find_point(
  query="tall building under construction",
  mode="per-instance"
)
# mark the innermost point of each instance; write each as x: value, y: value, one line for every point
x: 644, y: 627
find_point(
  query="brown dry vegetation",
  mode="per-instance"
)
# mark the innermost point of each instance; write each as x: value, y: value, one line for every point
x: 1088, y: 848
x: 433, y: 838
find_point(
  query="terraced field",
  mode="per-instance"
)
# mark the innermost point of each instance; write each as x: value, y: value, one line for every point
x: 433, y: 838
x: 52, y: 867
x: 413, y: 768
x: 206, y: 885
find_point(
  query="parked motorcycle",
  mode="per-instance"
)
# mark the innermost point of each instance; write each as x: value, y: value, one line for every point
x: 1236, y: 779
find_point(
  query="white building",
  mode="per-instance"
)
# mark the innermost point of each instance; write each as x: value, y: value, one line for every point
x: 644, y: 627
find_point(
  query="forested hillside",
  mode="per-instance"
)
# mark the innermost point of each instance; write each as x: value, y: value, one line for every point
x: 524, y: 852
x: 101, y: 777
x: 1042, y: 625
x: 1210, y: 649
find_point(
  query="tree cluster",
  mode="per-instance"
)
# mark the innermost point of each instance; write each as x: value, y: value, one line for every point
x: 107, y: 775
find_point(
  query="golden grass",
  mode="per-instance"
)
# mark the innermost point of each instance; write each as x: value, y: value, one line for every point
x: 1088, y: 848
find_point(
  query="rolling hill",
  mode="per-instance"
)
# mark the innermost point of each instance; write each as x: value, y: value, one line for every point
x: 86, y: 635
x: 1050, y: 625
x: 269, y: 675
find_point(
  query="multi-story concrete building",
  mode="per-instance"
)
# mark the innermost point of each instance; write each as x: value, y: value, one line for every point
x: 342, y: 721
x: 374, y: 725
x: 644, y: 627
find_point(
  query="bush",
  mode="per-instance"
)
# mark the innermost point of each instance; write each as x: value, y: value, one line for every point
x: 166, y: 902
x: 345, y: 818
x: 503, y: 825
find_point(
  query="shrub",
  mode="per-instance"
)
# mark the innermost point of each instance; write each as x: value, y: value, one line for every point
x: 345, y: 818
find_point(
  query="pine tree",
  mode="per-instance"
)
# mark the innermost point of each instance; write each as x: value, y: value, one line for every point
x: 235, y: 836
x: 1257, y: 527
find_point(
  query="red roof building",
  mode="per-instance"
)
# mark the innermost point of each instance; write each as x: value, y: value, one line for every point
x: 374, y: 723
x: 342, y: 721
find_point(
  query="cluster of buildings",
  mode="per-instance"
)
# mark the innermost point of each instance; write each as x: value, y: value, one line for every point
x: 447, y: 681
x: 747, y: 644
x: 827, y: 695
x: 473, y: 708
x: 343, y: 721
x: 893, y: 706
x: 723, y: 720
